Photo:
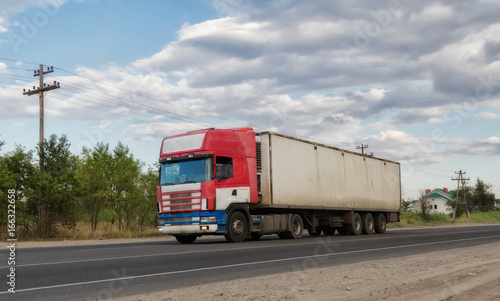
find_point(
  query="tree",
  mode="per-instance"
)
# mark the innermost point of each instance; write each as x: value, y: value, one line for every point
x: 459, y: 201
x: 125, y: 174
x: 56, y: 197
x: 18, y: 172
x: 406, y: 205
x: 424, y: 206
x: 94, y: 173
x: 146, y: 207
x: 482, y: 198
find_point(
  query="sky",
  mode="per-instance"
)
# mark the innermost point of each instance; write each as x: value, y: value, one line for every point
x: 416, y: 81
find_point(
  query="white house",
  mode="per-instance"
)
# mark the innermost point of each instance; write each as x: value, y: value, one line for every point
x: 436, y: 200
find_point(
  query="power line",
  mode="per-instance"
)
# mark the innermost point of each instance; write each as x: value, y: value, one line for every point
x: 18, y: 61
x: 112, y: 113
x: 151, y: 98
x: 111, y: 98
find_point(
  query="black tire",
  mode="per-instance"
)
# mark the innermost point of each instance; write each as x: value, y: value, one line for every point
x: 186, y: 239
x: 237, y: 228
x: 355, y: 227
x: 297, y: 226
x: 316, y: 233
x: 368, y: 223
x: 329, y: 231
x: 380, y: 224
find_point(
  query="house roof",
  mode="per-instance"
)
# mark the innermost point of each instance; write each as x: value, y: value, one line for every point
x: 440, y: 193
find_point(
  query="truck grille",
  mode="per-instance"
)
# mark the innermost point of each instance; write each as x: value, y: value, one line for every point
x: 180, y: 201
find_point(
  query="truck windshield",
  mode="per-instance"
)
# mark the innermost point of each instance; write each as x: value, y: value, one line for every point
x: 189, y: 171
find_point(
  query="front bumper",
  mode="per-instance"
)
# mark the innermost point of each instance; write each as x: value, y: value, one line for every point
x: 192, y: 223
x: 188, y: 229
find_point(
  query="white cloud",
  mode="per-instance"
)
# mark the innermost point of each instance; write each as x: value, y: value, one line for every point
x: 487, y: 115
x: 9, y: 9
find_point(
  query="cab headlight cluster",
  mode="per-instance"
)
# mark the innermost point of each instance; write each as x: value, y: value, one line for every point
x: 207, y: 219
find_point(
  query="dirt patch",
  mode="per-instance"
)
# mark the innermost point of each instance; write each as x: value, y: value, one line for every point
x: 470, y: 273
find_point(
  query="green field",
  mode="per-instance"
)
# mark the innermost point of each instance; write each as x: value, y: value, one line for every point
x: 409, y: 219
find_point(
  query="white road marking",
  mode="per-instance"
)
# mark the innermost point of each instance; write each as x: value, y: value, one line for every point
x: 336, y: 241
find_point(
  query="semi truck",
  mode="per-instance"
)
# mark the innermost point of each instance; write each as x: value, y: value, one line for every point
x: 243, y: 185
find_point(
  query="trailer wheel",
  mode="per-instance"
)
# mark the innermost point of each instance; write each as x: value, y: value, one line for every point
x: 316, y: 233
x: 329, y: 231
x: 368, y: 222
x: 296, y: 226
x: 355, y: 227
x: 236, y: 227
x: 186, y: 239
x: 380, y: 223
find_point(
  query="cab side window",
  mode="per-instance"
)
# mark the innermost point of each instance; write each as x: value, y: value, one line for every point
x: 223, y: 168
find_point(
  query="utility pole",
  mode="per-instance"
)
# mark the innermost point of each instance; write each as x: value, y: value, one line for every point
x: 461, y: 180
x: 40, y: 91
x: 43, y: 88
x: 362, y: 148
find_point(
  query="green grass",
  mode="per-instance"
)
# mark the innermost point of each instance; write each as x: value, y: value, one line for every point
x: 409, y: 219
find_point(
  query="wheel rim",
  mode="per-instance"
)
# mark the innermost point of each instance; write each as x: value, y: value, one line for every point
x: 297, y: 228
x: 370, y: 224
x: 357, y: 224
x: 238, y: 227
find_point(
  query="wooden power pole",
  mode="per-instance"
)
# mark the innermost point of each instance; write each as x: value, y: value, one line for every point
x: 461, y: 181
x: 43, y: 88
x: 40, y: 91
x: 362, y: 148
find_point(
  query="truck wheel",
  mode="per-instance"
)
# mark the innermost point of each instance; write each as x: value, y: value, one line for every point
x: 186, y: 239
x: 355, y: 227
x: 329, y: 231
x: 380, y: 224
x: 236, y: 227
x: 368, y: 222
x: 316, y: 233
x: 297, y: 226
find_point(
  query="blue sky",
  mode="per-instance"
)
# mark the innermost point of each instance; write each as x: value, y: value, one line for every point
x: 418, y: 82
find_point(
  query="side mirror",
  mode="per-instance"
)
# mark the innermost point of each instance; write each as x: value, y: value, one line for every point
x: 159, y: 175
x: 223, y: 171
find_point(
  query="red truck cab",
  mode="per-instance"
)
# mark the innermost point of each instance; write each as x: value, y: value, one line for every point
x: 203, y: 176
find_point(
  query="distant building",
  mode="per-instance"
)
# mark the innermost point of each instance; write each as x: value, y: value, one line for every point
x: 497, y: 204
x: 436, y: 201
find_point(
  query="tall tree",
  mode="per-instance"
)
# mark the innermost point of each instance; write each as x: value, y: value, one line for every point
x: 57, y: 199
x: 125, y: 175
x: 17, y: 173
x: 482, y: 197
x: 146, y: 205
x: 94, y: 178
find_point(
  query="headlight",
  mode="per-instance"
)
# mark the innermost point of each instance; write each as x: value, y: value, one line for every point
x: 207, y: 219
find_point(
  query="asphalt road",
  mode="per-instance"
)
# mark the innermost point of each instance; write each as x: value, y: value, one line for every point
x: 102, y: 272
